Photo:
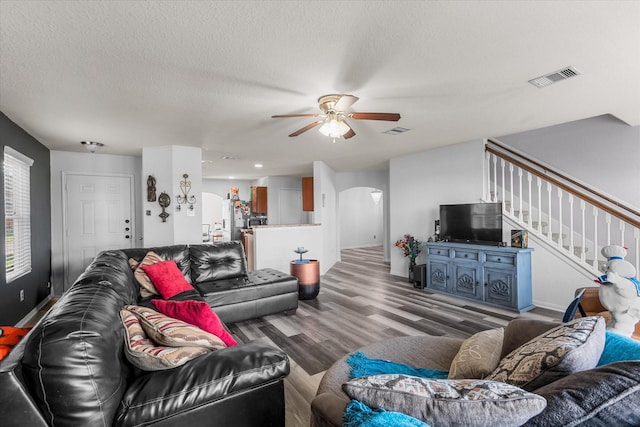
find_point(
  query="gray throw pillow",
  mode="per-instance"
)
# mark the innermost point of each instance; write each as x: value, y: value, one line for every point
x: 572, y: 347
x: 478, y: 356
x: 605, y: 396
x: 443, y: 403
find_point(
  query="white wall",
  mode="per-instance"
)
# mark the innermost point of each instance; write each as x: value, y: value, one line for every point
x: 325, y: 199
x: 64, y: 161
x: 211, y: 209
x: 421, y: 182
x: 602, y: 152
x: 168, y: 164
x: 361, y: 220
x: 278, y: 202
x: 223, y: 186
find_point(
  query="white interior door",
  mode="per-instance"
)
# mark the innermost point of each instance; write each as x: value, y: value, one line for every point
x: 97, y: 216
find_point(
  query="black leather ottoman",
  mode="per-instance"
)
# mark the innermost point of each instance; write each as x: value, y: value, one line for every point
x: 259, y: 293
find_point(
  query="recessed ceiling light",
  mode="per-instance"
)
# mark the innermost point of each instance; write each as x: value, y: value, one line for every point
x: 257, y: 165
x: 92, y: 146
x: 230, y: 177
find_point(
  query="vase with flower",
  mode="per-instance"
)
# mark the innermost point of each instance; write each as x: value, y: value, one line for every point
x: 410, y: 248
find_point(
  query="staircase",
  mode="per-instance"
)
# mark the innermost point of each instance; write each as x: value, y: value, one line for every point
x: 568, y: 216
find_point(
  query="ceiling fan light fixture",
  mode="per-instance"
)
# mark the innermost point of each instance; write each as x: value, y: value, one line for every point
x: 333, y: 127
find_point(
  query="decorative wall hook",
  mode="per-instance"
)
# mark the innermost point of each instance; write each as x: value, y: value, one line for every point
x: 164, y: 201
x: 185, y: 187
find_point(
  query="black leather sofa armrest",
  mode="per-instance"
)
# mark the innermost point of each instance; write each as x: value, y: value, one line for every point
x: 159, y: 394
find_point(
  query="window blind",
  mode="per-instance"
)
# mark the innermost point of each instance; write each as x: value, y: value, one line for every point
x: 17, y: 213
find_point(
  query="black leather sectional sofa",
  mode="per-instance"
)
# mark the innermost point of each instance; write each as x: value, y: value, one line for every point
x: 70, y: 370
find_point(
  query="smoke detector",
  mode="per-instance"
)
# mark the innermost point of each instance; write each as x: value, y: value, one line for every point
x: 556, y: 76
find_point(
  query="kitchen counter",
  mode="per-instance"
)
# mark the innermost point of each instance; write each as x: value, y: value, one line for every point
x: 274, y: 244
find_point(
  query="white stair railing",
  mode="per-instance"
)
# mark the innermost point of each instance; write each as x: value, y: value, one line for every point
x: 572, y: 218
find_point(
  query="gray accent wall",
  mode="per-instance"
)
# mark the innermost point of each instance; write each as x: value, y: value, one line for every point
x: 35, y: 284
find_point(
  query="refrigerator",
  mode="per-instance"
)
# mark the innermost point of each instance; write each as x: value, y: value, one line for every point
x: 235, y: 217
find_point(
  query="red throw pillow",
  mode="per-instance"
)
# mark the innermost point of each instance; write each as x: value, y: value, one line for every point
x: 197, y: 313
x: 167, y: 278
x: 9, y: 337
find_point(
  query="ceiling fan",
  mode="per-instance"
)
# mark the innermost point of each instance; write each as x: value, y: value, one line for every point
x: 332, y: 122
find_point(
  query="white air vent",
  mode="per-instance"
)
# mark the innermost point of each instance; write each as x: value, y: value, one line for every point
x: 396, y: 130
x: 556, y: 76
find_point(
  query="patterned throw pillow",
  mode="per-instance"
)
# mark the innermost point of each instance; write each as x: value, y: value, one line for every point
x: 447, y: 402
x: 197, y: 313
x: 478, y: 356
x: 171, y: 332
x: 146, y: 355
x: 572, y: 347
x: 146, y: 285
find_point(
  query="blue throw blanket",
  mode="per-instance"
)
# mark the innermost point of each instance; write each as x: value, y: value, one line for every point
x: 358, y: 414
x: 362, y: 366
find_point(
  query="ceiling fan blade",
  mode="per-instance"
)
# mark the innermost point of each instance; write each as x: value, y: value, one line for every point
x: 280, y: 116
x: 350, y: 133
x: 345, y: 102
x: 389, y: 117
x: 306, y: 128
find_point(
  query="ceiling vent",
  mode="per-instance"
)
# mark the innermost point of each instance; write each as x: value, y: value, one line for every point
x: 396, y: 131
x: 556, y: 76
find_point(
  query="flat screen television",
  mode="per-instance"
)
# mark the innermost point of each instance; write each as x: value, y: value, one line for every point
x: 472, y: 223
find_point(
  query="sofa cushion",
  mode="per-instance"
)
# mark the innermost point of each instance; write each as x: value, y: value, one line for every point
x: 478, y: 356
x: 223, y: 260
x: 143, y: 353
x: 171, y: 332
x: 447, y: 402
x: 197, y: 313
x: 572, y: 347
x: 167, y: 278
x: 146, y: 285
x: 225, y: 373
x: 605, y: 396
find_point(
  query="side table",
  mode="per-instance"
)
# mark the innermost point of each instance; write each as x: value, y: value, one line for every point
x: 308, y: 273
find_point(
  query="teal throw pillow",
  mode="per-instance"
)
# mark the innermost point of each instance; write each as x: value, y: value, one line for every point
x: 618, y: 348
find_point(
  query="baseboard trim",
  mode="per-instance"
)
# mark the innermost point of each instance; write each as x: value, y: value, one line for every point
x: 26, y: 319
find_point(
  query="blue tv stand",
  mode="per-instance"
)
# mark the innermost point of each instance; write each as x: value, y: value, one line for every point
x: 493, y: 275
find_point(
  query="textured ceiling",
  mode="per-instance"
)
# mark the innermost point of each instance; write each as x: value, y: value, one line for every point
x: 211, y: 73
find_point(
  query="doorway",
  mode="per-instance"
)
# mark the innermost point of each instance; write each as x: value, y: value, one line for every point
x: 97, y: 216
x: 361, y: 218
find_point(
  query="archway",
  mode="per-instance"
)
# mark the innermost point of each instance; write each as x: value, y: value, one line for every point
x: 361, y: 218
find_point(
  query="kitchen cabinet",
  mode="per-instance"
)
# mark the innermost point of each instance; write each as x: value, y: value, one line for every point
x: 307, y: 194
x: 497, y: 276
x: 259, y: 199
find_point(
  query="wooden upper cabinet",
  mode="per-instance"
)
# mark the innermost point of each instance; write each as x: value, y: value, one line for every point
x: 259, y: 199
x: 307, y: 194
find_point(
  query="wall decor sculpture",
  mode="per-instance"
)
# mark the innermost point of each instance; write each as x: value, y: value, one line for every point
x: 151, y: 189
x: 164, y: 201
x: 185, y: 187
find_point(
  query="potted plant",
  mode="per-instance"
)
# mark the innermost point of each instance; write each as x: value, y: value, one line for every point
x: 410, y: 248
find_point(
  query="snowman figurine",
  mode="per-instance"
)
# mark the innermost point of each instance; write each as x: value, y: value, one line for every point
x: 619, y: 291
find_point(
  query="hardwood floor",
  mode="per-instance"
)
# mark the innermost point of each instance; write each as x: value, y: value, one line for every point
x: 360, y: 303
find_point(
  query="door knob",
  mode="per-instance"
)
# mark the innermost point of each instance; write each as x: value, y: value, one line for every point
x: 126, y: 221
x: 127, y: 236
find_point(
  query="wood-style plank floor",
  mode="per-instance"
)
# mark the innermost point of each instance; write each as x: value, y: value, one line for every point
x: 360, y: 303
